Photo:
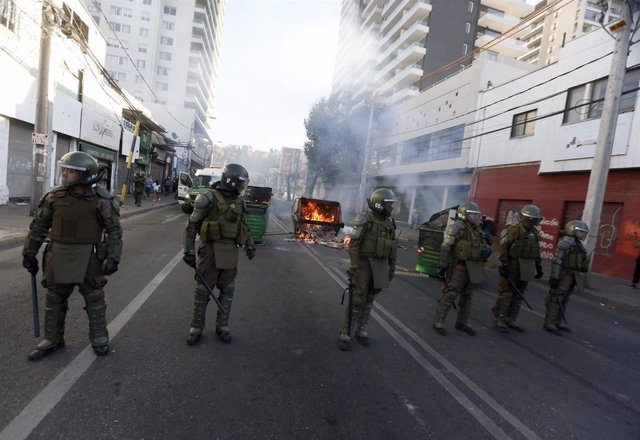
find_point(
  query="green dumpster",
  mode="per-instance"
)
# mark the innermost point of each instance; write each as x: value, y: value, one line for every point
x: 257, y: 200
x: 430, y: 240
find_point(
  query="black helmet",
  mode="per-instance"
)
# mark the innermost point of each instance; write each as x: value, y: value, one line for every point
x: 90, y: 173
x: 530, y: 216
x: 234, y: 178
x: 381, y: 201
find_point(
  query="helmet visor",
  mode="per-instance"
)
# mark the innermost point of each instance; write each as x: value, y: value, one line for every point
x: 69, y: 175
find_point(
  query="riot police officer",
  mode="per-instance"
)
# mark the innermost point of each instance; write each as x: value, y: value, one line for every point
x: 519, y: 263
x: 75, y: 215
x: 219, y: 218
x: 569, y: 261
x: 372, y: 253
x: 138, y: 188
x: 463, y: 253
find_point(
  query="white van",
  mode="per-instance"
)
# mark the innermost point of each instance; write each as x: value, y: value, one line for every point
x: 188, y: 188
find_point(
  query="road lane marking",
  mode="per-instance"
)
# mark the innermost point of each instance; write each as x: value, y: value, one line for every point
x: 30, y: 417
x: 170, y: 219
x: 456, y: 393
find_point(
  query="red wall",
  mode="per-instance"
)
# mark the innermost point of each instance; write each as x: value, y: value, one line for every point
x: 552, y: 193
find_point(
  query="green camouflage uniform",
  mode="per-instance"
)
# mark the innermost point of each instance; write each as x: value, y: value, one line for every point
x: 569, y: 261
x: 75, y: 225
x: 463, y: 242
x: 138, y: 191
x: 518, y: 246
x: 372, y: 253
x: 219, y: 218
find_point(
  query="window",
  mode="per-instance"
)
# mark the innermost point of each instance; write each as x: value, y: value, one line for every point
x: 144, y: 32
x: 467, y: 28
x: 585, y: 101
x: 523, y: 124
x: 162, y: 71
x: 8, y: 15
x: 168, y: 25
x: 118, y: 76
x: 115, y: 59
x: 162, y: 86
x: 115, y: 10
x: 492, y: 56
x: 167, y: 41
x: 139, y: 79
x: 170, y: 10
x: 440, y: 145
x: 146, y: 2
x: 470, y: 7
x: 141, y: 64
x: 142, y: 47
x: 119, y: 27
x: 145, y: 16
x: 166, y: 56
x: 127, y: 12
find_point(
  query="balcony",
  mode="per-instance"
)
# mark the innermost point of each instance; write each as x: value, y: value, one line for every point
x: 533, y: 53
x: 391, y: 4
x: 415, y: 34
x: 509, y: 47
x: 401, y: 95
x: 499, y: 23
x: 408, y: 77
x: 372, y: 12
x: 517, y: 8
x: 418, y: 13
x: 409, y: 56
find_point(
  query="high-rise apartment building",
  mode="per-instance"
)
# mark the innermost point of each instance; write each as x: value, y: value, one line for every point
x: 395, y: 48
x: 174, y: 48
x: 565, y: 22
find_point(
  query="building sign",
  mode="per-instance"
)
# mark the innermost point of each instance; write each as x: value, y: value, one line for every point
x: 578, y: 140
x: 127, y: 138
x: 98, y: 153
x: 100, y: 126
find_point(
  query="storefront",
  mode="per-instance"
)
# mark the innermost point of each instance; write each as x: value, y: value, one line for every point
x: 106, y: 158
x: 20, y: 160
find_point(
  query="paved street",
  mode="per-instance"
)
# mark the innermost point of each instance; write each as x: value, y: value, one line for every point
x: 283, y: 376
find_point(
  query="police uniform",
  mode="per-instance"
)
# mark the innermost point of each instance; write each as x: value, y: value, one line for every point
x: 75, y: 224
x: 138, y: 191
x: 569, y: 261
x: 372, y: 252
x: 219, y: 218
x: 520, y: 258
x: 463, y: 254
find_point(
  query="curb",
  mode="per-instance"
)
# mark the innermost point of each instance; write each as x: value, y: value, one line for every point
x: 17, y: 238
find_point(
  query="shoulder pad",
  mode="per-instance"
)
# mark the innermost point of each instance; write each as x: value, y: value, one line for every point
x: 101, y: 192
x: 566, y: 243
x: 455, y: 227
x: 203, y: 200
x: 58, y: 188
x: 360, y: 221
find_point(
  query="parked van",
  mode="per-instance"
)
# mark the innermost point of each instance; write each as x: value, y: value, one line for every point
x: 189, y: 188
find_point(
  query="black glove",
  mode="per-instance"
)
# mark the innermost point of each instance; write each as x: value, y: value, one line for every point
x: 486, y: 252
x: 504, y: 270
x: 109, y: 266
x: 190, y: 259
x: 442, y: 271
x: 539, y: 272
x: 554, y: 283
x: 250, y: 251
x: 30, y: 262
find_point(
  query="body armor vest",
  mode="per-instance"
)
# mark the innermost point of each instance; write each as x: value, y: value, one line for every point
x: 470, y: 245
x: 525, y: 244
x: 577, y: 259
x: 75, y: 219
x: 379, y: 239
x: 224, y: 220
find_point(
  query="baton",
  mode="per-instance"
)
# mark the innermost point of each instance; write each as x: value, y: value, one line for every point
x: 516, y: 290
x: 555, y: 293
x: 34, y: 307
x: 206, y: 286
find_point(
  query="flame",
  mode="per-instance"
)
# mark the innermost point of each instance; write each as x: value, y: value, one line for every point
x: 312, y: 211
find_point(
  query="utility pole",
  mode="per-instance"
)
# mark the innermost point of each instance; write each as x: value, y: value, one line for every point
x: 41, y: 127
x: 365, y: 162
x: 607, y: 130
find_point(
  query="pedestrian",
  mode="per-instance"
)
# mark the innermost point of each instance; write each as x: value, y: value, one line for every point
x: 167, y: 186
x: 488, y: 229
x: 156, y: 191
x: 520, y: 263
x: 636, y: 271
x: 372, y: 253
x: 569, y: 261
x: 148, y: 187
x: 219, y: 218
x: 75, y: 216
x: 174, y: 187
x: 138, y: 188
x: 462, y: 256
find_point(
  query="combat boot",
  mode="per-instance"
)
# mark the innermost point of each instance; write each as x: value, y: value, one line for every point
x: 514, y: 326
x: 552, y: 329
x: 563, y: 328
x: 53, y: 322
x: 223, y: 334
x: 466, y: 328
x: 362, y: 334
x: 344, y: 342
x: 439, y: 328
x: 96, y: 312
x: 200, y: 301
x: 222, y: 319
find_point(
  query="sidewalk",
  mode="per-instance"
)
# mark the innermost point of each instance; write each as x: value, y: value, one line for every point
x: 606, y: 290
x: 15, y: 219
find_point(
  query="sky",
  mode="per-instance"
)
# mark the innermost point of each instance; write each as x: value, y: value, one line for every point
x: 277, y: 59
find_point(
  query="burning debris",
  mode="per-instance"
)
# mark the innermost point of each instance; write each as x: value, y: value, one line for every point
x: 317, y: 221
